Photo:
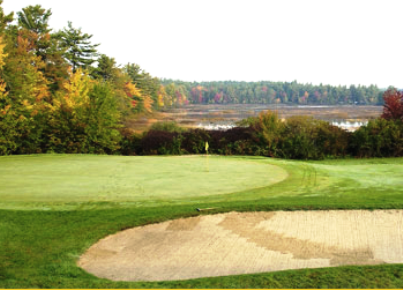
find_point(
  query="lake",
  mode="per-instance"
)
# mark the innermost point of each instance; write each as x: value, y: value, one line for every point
x: 221, y: 117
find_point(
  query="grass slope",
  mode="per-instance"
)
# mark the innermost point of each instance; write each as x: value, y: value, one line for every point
x: 39, y: 248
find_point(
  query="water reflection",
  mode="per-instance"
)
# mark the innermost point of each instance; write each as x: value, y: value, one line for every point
x: 349, y: 125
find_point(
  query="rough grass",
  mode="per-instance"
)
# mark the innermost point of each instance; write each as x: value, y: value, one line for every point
x: 39, y: 248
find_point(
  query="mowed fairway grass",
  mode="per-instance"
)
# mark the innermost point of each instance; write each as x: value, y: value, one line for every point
x: 54, y: 207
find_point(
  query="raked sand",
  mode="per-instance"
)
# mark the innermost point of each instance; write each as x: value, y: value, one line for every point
x: 243, y: 243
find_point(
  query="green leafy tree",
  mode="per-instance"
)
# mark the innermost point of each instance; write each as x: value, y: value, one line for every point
x: 103, y: 118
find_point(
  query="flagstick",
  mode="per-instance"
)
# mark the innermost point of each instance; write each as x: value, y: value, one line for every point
x: 208, y: 164
x: 208, y: 167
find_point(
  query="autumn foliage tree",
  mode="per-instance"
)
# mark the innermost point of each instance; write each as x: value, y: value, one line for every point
x: 393, y: 107
x: 27, y: 93
x: 84, y: 117
x: 6, y: 119
x: 34, y: 20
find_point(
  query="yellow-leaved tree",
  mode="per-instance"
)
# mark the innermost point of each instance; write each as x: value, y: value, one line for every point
x: 5, y: 144
x: 28, y: 94
x: 68, y: 113
x: 148, y: 102
x: 140, y: 102
x: 85, y: 116
x: 74, y: 93
x: 161, y: 96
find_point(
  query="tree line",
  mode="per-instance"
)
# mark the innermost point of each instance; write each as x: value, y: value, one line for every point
x: 265, y: 92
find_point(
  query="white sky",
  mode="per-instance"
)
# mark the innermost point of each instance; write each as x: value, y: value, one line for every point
x: 333, y: 41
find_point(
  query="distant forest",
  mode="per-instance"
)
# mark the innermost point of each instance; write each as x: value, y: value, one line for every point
x: 266, y: 92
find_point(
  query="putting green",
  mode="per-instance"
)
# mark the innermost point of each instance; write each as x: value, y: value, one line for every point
x: 52, y: 181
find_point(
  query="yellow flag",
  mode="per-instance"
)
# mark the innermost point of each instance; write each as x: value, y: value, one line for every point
x: 206, y: 146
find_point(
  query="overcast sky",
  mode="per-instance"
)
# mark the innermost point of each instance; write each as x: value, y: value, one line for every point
x: 329, y: 42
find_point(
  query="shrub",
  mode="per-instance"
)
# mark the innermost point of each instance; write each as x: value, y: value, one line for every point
x: 333, y: 141
x: 130, y: 143
x: 308, y: 138
x: 380, y: 138
x: 268, y: 129
x: 236, y: 140
x: 299, y: 139
x: 160, y: 142
x: 194, y: 141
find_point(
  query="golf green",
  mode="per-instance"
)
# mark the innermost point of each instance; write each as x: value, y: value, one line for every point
x: 52, y: 181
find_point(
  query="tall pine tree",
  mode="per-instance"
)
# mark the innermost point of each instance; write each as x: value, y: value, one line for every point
x: 79, y: 51
x: 106, y: 68
x: 35, y: 20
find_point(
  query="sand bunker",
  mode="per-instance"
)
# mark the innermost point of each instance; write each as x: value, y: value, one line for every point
x: 242, y: 243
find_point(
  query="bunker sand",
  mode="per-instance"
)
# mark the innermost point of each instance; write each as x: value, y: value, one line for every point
x: 244, y: 243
